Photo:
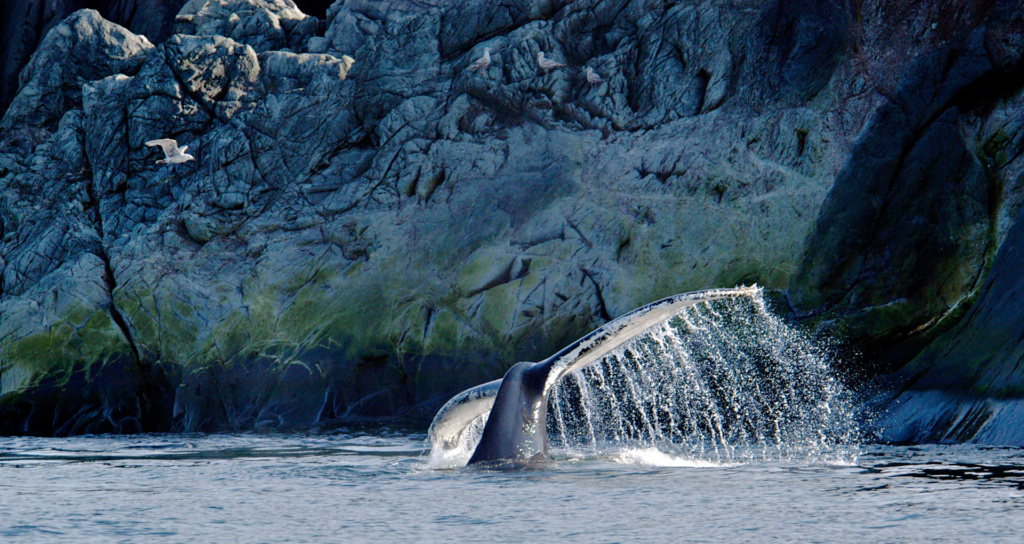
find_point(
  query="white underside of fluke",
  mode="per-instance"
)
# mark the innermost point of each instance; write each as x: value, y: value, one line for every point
x: 596, y: 345
x: 458, y: 413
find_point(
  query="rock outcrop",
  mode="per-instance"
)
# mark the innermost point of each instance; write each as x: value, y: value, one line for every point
x: 966, y: 386
x: 360, y: 240
x: 26, y: 22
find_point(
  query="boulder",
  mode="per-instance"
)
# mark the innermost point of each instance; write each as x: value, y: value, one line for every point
x: 966, y: 385
x: 83, y: 48
x: 262, y: 24
x: 26, y: 22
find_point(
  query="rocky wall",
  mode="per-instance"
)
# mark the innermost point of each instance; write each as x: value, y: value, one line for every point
x: 359, y: 240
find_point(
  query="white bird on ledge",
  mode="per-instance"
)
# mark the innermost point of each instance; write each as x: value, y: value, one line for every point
x: 547, y: 64
x: 483, y: 62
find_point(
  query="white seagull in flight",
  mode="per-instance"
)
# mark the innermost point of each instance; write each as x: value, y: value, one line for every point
x: 172, y: 154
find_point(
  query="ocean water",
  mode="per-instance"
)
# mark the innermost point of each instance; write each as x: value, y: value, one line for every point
x: 386, y: 487
x: 722, y: 425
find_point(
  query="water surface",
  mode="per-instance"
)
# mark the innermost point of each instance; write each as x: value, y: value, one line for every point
x: 358, y: 487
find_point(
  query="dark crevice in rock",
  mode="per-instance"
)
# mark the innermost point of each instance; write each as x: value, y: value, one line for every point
x: 703, y: 78
x: 316, y: 8
x: 429, y: 314
x: 93, y: 208
x: 623, y: 246
x: 115, y: 314
x: 991, y: 88
x: 801, y: 142
x: 507, y: 274
x: 576, y: 229
x: 602, y: 308
x: 441, y: 177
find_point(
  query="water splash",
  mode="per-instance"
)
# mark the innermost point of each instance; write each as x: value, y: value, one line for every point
x: 652, y: 457
x: 723, y: 381
x: 458, y: 456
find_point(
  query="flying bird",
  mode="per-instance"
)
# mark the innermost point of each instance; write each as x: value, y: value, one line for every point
x: 172, y: 154
x: 547, y: 64
x: 592, y: 77
x: 483, y: 62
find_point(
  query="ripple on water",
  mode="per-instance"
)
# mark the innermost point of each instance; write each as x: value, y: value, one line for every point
x: 363, y: 488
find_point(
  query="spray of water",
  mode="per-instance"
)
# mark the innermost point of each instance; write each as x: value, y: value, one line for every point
x: 459, y: 455
x: 723, y: 382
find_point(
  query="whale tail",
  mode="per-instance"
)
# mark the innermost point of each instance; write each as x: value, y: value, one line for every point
x: 455, y: 417
x: 516, y: 427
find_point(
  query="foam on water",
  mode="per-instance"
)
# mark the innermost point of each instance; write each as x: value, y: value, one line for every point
x: 653, y: 457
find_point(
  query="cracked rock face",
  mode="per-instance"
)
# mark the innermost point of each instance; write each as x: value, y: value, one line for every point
x: 26, y: 22
x: 361, y: 240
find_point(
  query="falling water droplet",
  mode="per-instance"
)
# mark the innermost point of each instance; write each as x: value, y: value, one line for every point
x: 722, y: 381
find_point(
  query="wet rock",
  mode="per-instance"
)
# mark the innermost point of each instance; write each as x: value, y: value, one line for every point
x: 966, y: 385
x: 912, y: 187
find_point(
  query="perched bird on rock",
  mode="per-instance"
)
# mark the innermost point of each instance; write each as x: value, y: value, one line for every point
x: 347, y: 61
x: 592, y: 77
x: 172, y: 155
x: 547, y: 64
x: 483, y: 62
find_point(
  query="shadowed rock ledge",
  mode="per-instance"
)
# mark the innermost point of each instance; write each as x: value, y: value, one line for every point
x: 359, y: 242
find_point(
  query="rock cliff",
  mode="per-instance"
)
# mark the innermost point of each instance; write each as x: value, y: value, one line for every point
x: 360, y: 240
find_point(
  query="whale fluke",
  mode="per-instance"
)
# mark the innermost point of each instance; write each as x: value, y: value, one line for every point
x: 516, y: 428
x: 458, y: 413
